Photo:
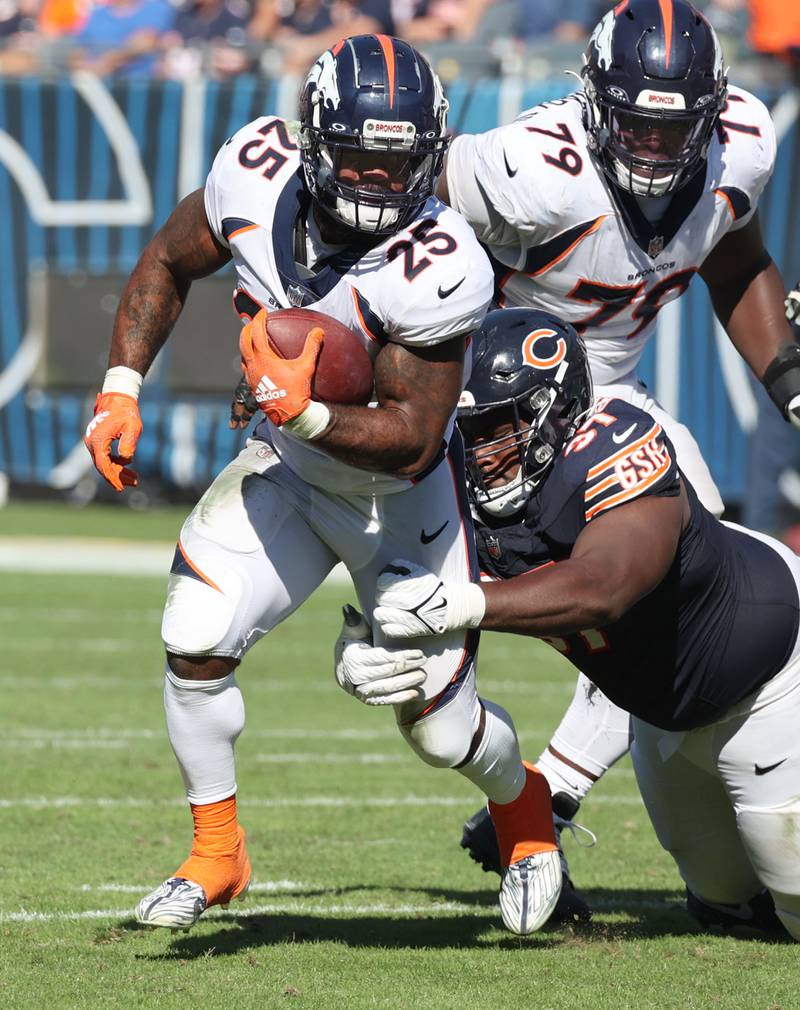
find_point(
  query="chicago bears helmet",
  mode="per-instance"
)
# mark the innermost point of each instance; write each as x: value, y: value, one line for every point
x: 372, y: 103
x: 655, y: 84
x: 530, y: 383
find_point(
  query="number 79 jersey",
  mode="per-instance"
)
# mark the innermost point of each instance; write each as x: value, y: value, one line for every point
x: 428, y: 283
x: 564, y: 240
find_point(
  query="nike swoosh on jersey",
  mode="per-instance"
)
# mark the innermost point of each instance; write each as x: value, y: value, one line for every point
x: 768, y: 768
x: 446, y: 292
x: 427, y: 538
x: 619, y: 439
x: 511, y: 171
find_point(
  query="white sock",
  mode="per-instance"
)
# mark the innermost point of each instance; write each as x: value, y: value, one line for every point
x: 204, y: 719
x: 592, y: 736
x: 496, y: 767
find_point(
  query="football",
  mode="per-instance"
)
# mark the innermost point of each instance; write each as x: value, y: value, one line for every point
x: 344, y: 369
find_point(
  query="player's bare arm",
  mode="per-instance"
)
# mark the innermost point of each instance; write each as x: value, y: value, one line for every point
x: 183, y: 250
x: 417, y: 390
x: 619, y: 558
x: 748, y: 294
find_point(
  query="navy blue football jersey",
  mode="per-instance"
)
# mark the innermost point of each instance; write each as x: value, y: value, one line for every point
x: 722, y: 622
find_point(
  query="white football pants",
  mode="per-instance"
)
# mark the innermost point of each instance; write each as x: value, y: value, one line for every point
x: 724, y: 799
x: 261, y: 540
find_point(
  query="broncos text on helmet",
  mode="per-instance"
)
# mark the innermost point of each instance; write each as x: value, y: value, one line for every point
x: 373, y: 120
x: 655, y: 84
x: 527, y: 394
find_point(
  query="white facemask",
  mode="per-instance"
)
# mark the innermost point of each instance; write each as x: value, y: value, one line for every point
x: 506, y: 503
x: 640, y: 185
x: 368, y: 218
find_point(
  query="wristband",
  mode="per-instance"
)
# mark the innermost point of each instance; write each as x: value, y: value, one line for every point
x: 466, y: 605
x: 310, y: 423
x: 782, y: 377
x: 121, y: 379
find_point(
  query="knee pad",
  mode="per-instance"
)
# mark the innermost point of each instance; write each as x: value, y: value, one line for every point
x: 199, y: 615
x: 443, y: 738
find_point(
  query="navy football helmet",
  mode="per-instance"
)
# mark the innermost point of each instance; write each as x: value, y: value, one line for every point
x: 373, y: 120
x: 655, y: 84
x: 530, y: 382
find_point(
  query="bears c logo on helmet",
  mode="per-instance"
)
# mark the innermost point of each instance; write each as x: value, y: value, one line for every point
x: 532, y: 358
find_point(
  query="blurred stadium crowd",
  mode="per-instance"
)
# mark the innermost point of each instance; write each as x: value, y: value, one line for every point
x: 179, y: 39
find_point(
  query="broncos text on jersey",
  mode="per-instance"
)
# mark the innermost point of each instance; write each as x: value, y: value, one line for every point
x: 564, y: 240
x: 428, y: 283
x: 722, y: 622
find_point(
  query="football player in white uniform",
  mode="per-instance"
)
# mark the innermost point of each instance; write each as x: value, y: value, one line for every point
x: 336, y: 214
x: 601, y: 208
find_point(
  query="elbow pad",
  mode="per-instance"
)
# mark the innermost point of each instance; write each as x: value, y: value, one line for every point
x: 782, y: 382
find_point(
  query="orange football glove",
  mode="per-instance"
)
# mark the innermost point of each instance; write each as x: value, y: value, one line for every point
x: 116, y: 416
x: 281, y: 386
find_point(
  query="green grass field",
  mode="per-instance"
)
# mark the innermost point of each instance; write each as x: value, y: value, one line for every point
x: 362, y: 897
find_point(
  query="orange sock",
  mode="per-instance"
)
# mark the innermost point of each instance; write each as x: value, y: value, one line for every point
x: 525, y: 825
x: 218, y: 862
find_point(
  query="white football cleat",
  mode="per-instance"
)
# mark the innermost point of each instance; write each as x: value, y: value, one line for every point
x: 529, y: 891
x: 176, y: 904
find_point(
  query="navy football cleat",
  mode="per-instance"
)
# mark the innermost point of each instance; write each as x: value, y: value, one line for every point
x: 480, y: 841
x: 758, y: 913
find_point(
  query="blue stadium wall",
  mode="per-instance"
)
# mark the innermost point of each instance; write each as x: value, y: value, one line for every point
x: 82, y: 192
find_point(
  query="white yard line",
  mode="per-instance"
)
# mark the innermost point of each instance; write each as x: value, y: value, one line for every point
x: 307, y: 802
x: 99, y: 556
x: 78, y: 614
x: 297, y: 733
x: 305, y: 908
x: 444, y: 908
x: 309, y: 757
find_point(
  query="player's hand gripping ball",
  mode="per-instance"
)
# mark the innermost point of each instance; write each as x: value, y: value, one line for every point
x: 281, y: 386
x: 304, y: 355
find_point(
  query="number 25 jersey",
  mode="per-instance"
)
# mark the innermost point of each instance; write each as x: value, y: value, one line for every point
x: 429, y: 282
x: 565, y: 240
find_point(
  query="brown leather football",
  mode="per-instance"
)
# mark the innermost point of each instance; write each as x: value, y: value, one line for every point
x: 344, y: 369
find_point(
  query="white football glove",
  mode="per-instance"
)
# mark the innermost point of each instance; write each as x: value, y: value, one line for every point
x: 411, y: 601
x: 376, y: 676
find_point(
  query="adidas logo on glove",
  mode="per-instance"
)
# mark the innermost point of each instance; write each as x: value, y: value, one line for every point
x: 267, y: 390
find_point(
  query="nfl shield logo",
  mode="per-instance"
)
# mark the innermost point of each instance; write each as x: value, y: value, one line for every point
x: 656, y: 246
x: 493, y: 547
x: 296, y: 295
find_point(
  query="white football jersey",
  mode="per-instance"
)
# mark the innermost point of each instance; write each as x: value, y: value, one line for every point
x: 564, y: 241
x: 428, y: 283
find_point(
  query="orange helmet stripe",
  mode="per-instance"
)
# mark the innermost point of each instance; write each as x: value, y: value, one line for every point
x: 387, y: 47
x: 666, y: 16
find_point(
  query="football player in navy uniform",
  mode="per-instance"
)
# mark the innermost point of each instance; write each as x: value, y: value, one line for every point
x: 336, y: 213
x: 688, y: 623
x: 602, y: 208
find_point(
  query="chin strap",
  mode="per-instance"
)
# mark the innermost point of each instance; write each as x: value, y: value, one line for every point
x: 782, y: 381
